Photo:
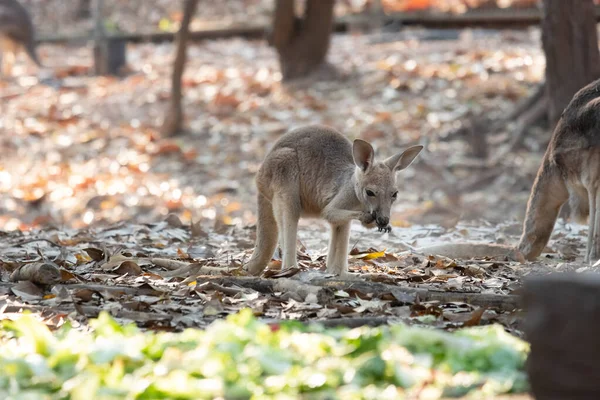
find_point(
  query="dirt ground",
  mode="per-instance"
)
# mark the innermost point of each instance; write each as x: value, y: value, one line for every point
x: 88, y: 186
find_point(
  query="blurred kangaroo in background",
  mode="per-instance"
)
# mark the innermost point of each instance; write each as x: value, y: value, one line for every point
x: 314, y: 171
x: 16, y: 34
x: 570, y: 170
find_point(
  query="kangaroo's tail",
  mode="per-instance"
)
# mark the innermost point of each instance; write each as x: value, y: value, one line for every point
x: 266, y: 237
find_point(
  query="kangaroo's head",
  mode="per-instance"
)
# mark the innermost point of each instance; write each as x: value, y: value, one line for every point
x: 375, y: 182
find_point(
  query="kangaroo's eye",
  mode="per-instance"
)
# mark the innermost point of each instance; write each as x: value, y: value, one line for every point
x: 370, y: 193
x: 395, y: 195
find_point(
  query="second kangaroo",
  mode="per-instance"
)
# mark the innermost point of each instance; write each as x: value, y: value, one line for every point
x: 570, y: 171
x: 314, y: 171
x: 16, y: 33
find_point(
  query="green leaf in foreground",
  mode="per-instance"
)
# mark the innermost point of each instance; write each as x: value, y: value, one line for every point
x: 242, y: 358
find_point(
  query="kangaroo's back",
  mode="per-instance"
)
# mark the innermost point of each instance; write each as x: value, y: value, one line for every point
x: 318, y: 158
x: 579, y: 126
x: 317, y: 141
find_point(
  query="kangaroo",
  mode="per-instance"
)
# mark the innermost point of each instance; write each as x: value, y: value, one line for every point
x: 314, y: 171
x: 16, y: 33
x: 570, y: 170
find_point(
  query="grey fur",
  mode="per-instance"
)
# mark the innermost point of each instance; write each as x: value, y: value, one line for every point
x: 16, y: 33
x: 569, y: 172
x: 314, y: 171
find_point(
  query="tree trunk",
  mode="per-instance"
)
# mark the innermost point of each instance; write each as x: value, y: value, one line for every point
x: 562, y: 323
x: 570, y: 42
x: 174, y: 118
x: 302, y: 44
x: 83, y: 9
x: 109, y: 53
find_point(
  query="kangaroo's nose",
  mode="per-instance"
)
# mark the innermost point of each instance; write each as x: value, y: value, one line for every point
x: 382, y: 221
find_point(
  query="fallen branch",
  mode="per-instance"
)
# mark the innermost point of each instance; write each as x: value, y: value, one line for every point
x: 506, y: 19
x: 352, y: 322
x: 168, y: 263
x: 470, y: 250
x: 43, y: 273
x: 229, y: 291
x: 206, y: 270
x: 306, y: 292
x: 494, y: 301
x: 407, y: 294
x: 255, y: 31
x: 90, y: 286
x: 340, y: 322
x: 89, y: 311
x: 182, y: 272
x: 137, y: 316
x: 299, y: 290
x: 184, y: 269
x: 255, y: 283
x: 103, y: 288
x: 23, y: 242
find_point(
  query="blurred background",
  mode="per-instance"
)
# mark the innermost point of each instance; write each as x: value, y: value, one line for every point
x: 97, y: 135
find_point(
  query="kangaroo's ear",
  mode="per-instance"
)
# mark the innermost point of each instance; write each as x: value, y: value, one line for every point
x: 402, y: 160
x: 363, y: 154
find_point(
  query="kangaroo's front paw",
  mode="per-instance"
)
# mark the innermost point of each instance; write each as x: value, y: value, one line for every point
x: 366, y: 218
x: 384, y: 229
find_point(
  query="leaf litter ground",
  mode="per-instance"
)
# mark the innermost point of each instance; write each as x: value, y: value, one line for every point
x: 88, y: 185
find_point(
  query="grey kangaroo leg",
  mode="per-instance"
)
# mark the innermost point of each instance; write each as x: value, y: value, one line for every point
x: 548, y: 194
x: 337, y: 258
x: 279, y: 250
x: 266, y: 237
x: 593, y: 242
x: 278, y: 253
x: 287, y: 214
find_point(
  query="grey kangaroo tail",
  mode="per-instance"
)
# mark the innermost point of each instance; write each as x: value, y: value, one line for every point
x: 266, y: 237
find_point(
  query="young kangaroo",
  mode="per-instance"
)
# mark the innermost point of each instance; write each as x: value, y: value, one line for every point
x: 314, y: 171
x: 570, y: 170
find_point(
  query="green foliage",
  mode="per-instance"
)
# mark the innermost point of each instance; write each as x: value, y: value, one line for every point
x: 243, y: 358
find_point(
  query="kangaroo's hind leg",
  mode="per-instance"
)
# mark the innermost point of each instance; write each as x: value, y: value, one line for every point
x: 266, y: 237
x: 593, y: 242
x: 287, y: 209
x: 590, y: 175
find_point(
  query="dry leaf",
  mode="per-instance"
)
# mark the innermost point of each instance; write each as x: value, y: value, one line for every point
x: 475, y: 317
x: 369, y: 256
x: 27, y: 291
x: 128, y: 267
x: 95, y: 254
